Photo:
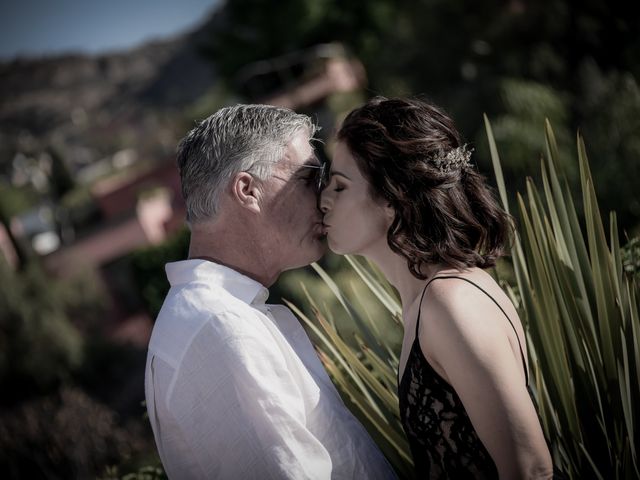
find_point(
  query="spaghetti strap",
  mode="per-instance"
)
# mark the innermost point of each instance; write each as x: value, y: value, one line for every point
x: 524, y: 362
x: 424, y: 290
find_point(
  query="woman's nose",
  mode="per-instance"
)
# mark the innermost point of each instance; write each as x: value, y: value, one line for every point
x: 324, y: 203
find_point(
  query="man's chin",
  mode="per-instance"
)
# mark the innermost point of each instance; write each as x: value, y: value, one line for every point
x: 320, y: 250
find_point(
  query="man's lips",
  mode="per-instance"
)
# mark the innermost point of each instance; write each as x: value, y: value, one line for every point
x: 320, y: 228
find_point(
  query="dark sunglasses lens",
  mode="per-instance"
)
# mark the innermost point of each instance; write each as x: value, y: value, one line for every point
x: 322, y: 177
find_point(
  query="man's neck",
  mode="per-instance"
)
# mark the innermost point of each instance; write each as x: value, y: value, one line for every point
x: 238, y: 249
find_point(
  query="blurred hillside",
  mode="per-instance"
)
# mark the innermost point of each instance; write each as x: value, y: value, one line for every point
x: 89, y: 107
x: 520, y: 62
x: 73, y: 349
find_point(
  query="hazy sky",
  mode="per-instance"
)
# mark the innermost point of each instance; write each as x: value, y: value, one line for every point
x: 37, y: 27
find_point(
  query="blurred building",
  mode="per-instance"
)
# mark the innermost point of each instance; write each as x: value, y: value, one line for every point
x: 137, y: 208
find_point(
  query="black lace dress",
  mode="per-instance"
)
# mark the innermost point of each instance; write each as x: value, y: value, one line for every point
x: 443, y: 442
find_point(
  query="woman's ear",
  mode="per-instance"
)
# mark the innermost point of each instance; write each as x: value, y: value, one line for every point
x: 389, y: 211
x: 246, y: 192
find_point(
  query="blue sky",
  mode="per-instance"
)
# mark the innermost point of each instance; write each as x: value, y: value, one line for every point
x: 46, y: 27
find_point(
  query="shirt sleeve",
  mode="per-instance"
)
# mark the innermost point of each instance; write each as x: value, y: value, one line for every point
x: 242, y: 412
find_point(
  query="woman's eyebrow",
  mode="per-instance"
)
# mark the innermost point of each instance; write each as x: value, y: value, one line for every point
x: 336, y: 172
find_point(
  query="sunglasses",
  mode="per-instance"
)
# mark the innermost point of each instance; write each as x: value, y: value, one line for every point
x: 320, y: 179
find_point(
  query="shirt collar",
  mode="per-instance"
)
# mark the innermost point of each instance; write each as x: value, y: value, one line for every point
x: 239, y: 285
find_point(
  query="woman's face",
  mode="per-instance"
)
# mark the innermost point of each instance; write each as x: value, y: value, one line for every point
x: 355, y: 222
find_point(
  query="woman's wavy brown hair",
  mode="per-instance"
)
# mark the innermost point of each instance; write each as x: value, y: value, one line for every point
x: 449, y: 217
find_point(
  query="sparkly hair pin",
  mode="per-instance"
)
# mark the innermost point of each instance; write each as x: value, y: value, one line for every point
x: 454, y: 159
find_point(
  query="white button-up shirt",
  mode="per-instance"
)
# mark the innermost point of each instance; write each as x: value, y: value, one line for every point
x: 236, y: 391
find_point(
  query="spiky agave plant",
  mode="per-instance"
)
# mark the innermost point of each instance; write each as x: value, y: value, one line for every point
x: 363, y: 368
x: 581, y: 316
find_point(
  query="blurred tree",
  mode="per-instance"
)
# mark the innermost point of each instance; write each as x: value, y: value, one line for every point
x: 60, y: 179
x: 77, y: 211
x: 21, y: 254
x: 609, y: 113
x: 527, y: 105
x: 250, y: 30
x: 460, y: 54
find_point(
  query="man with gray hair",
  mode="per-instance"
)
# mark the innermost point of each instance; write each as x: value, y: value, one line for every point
x: 234, y: 388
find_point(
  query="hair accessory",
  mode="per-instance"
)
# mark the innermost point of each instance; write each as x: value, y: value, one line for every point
x: 454, y: 159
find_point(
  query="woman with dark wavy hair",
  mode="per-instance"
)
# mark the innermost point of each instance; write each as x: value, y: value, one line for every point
x: 403, y: 192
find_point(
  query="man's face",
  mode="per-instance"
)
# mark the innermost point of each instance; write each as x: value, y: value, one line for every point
x: 290, y: 206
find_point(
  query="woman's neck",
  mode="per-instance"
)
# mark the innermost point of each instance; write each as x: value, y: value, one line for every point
x: 396, y: 269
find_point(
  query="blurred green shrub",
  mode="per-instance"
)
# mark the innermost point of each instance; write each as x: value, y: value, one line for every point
x: 15, y: 200
x: 65, y: 435
x: 143, y: 473
x: 39, y: 345
x: 631, y: 257
x: 54, y: 364
x: 147, y: 267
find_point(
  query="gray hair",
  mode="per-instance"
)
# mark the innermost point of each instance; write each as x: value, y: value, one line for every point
x: 234, y: 139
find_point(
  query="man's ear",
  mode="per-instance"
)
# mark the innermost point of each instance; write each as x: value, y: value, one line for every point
x: 245, y: 191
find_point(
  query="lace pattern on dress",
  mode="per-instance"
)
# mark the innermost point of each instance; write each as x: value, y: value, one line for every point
x: 442, y: 439
x: 443, y: 442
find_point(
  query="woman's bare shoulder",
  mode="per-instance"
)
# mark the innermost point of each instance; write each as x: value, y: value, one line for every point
x: 453, y: 306
x: 460, y: 317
